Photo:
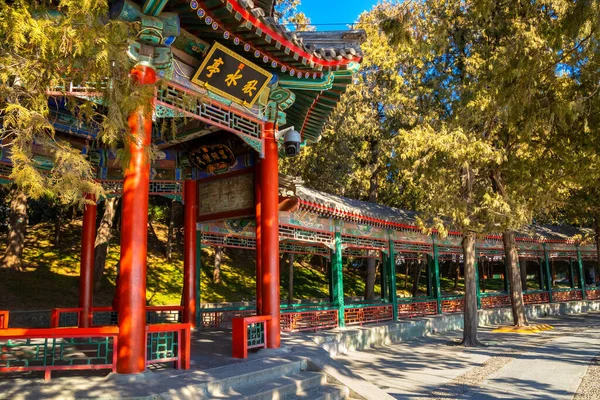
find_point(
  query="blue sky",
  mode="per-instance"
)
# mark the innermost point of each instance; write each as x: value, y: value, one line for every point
x: 334, y: 11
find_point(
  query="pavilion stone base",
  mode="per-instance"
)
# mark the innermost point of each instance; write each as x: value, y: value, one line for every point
x: 343, y: 341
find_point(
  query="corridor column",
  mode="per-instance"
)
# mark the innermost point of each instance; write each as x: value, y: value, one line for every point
x: 269, y: 234
x: 436, y: 273
x: 131, y: 352
x: 581, y: 277
x: 547, y: 273
x: 392, y: 279
x: 258, y: 251
x: 86, y: 280
x: 189, y: 248
x: 337, y: 278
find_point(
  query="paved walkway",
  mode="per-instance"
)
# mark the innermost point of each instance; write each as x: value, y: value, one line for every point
x: 548, y: 365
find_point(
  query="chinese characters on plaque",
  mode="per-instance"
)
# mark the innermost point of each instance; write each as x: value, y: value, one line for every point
x: 229, y: 75
x: 213, y: 159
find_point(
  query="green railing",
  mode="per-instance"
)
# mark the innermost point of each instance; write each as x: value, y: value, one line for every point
x: 57, y: 349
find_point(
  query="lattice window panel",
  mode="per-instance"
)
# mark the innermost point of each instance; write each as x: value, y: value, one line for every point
x: 489, y: 302
x: 308, y: 320
x: 166, y: 187
x: 535, y: 298
x: 530, y: 253
x: 256, y: 335
x: 303, y: 249
x: 490, y: 253
x: 364, y: 242
x: 449, y: 250
x: 210, y: 239
x: 409, y: 310
x: 569, y: 295
x: 162, y: 346
x: 559, y: 254
x: 305, y: 235
x: 112, y: 186
x: 360, y: 253
x: 413, y: 247
x: 173, y: 97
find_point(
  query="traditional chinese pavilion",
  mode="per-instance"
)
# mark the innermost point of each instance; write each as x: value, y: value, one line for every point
x: 232, y: 79
x: 240, y: 80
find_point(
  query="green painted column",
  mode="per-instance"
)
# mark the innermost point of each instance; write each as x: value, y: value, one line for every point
x: 581, y: 277
x: 330, y: 274
x: 436, y: 275
x: 198, y: 280
x: 477, y: 280
x: 338, y: 280
x: 547, y: 273
x: 429, y: 273
x: 392, y: 279
x: 571, y: 273
x: 541, y: 267
x: 384, y: 278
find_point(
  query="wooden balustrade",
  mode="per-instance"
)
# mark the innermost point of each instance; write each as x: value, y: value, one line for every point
x: 308, y: 320
x: 249, y: 333
x: 417, y: 309
x: 368, y: 314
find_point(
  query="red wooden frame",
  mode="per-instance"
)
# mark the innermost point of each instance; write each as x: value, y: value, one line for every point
x: 4, y: 319
x: 58, y: 333
x: 182, y: 361
x: 240, y: 334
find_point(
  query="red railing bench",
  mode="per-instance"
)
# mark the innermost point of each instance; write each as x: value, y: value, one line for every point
x: 249, y: 333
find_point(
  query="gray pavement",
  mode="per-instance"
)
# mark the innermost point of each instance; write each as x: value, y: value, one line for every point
x: 548, y: 365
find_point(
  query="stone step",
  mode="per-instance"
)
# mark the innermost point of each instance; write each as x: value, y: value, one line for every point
x: 329, y: 391
x: 283, y: 387
x: 222, y: 382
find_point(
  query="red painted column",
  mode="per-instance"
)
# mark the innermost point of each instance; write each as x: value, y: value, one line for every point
x: 269, y: 176
x: 189, y: 249
x: 86, y: 280
x: 257, y: 201
x: 131, y: 352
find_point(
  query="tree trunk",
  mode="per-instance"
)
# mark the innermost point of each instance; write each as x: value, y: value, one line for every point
x: 155, y: 236
x: 217, y: 270
x: 170, y: 231
x: 514, y: 278
x: 291, y: 278
x: 58, y: 225
x: 16, y: 234
x: 103, y: 236
x: 417, y: 277
x: 370, y: 281
x: 523, y: 266
x: 470, y: 308
x: 597, y: 236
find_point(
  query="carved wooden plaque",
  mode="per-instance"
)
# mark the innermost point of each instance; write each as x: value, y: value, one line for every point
x: 226, y: 198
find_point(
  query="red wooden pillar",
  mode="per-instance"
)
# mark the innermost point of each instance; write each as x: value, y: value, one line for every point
x: 257, y: 201
x: 189, y: 250
x: 269, y: 218
x: 86, y: 280
x: 131, y: 353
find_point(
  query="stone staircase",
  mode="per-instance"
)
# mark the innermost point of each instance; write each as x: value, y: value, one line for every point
x: 270, y: 379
